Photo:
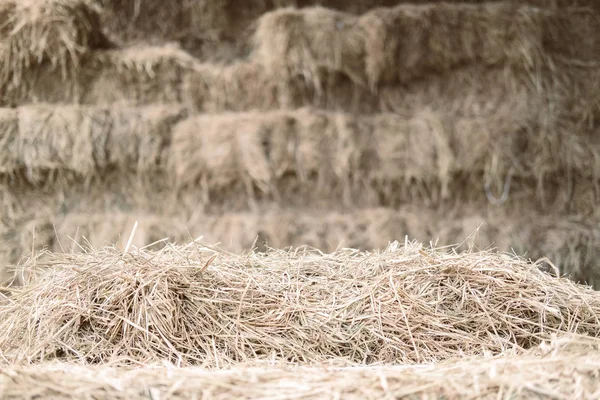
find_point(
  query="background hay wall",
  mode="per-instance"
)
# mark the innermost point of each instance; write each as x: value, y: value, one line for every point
x: 383, y: 104
x: 50, y: 140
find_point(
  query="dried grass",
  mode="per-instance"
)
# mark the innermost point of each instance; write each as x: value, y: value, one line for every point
x: 138, y: 75
x: 397, y: 44
x: 194, y: 21
x: 402, y: 305
x: 52, y: 33
x: 48, y: 140
x: 263, y: 153
x: 570, y: 243
x: 564, y: 368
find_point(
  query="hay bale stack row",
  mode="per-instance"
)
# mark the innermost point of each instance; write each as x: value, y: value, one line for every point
x: 41, y: 141
x: 279, y: 155
x: 568, y: 242
x: 347, y: 106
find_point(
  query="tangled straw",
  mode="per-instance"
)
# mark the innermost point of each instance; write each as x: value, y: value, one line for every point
x: 403, y: 305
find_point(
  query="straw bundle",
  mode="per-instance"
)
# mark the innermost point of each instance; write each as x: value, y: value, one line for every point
x: 130, y: 76
x: 397, y: 44
x: 402, y: 305
x: 241, y: 86
x: 56, y: 33
x: 341, y: 153
x: 301, y: 42
x: 84, y: 140
x: 565, y: 368
x: 156, y: 21
x: 139, y: 75
x: 256, y: 150
x: 569, y: 243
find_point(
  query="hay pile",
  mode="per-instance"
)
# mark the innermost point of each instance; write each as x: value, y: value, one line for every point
x: 151, y: 21
x: 134, y: 76
x: 397, y: 44
x: 308, y: 150
x: 562, y: 369
x: 54, y: 34
x: 43, y: 141
x: 406, y: 304
x: 570, y: 243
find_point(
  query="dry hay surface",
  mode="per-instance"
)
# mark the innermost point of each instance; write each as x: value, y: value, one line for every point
x: 564, y: 368
x: 52, y: 33
x: 571, y: 243
x: 309, y: 147
x: 43, y: 141
x: 316, y: 150
x: 397, y: 44
x: 194, y: 21
x: 195, y: 306
x: 135, y: 75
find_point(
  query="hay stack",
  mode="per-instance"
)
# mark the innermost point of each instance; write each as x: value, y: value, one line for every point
x: 571, y: 244
x: 194, y: 21
x: 137, y: 75
x: 403, y: 305
x: 397, y: 44
x: 302, y: 42
x: 310, y: 150
x: 52, y: 33
x: 143, y: 75
x: 564, y: 368
x: 49, y: 140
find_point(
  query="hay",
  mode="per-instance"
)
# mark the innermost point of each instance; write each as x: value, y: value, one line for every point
x: 570, y: 243
x: 335, y: 152
x: 149, y: 21
x: 138, y: 75
x: 241, y: 86
x: 397, y: 44
x: 46, y: 140
x: 402, y: 305
x: 52, y: 33
x: 562, y: 369
x: 301, y: 42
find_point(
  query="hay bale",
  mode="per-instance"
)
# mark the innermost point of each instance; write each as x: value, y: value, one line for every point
x: 9, y: 129
x: 53, y: 33
x: 334, y: 151
x: 409, y: 42
x: 132, y: 76
x: 45, y: 140
x: 303, y: 42
x: 257, y: 151
x: 548, y: 368
x: 194, y: 21
x: 241, y: 86
x: 183, y: 305
x: 136, y: 75
x: 397, y: 44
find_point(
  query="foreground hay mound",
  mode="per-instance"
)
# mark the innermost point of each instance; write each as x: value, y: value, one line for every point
x: 560, y: 369
x: 402, y: 305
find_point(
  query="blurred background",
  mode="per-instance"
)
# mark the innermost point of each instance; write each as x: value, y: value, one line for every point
x: 322, y: 123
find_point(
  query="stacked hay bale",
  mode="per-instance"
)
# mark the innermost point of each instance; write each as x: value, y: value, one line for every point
x: 346, y: 123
